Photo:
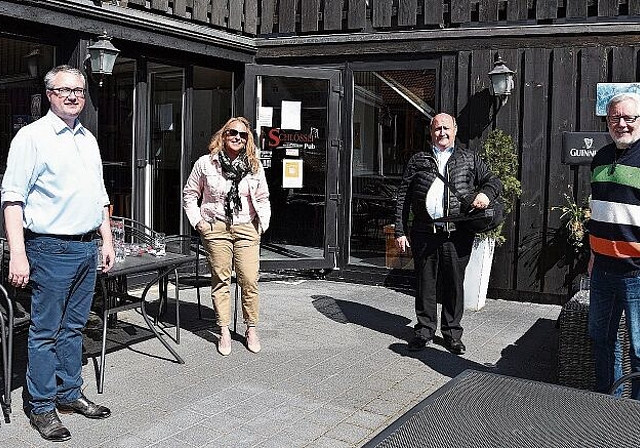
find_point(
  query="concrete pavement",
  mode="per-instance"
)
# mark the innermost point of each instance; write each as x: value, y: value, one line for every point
x: 333, y: 372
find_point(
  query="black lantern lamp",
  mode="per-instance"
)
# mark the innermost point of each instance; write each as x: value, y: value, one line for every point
x: 501, y: 80
x: 102, y: 56
x: 32, y: 60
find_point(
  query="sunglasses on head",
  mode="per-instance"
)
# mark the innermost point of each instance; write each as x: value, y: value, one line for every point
x: 234, y: 132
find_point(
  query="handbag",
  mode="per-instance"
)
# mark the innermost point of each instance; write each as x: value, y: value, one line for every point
x: 476, y: 220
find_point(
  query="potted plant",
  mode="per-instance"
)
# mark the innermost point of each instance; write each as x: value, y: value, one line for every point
x: 574, y: 217
x: 500, y: 154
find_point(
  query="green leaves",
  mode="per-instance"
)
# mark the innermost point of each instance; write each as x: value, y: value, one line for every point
x: 500, y: 154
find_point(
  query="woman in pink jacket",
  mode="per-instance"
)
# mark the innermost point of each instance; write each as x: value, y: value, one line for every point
x: 234, y: 212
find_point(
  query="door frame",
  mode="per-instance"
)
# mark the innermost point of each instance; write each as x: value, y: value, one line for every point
x: 334, y: 150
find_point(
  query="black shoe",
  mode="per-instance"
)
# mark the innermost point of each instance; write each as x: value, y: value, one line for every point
x: 85, y: 407
x: 417, y: 344
x: 455, y: 346
x: 49, y: 426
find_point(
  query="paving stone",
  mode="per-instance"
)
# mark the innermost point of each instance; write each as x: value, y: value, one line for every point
x: 334, y: 371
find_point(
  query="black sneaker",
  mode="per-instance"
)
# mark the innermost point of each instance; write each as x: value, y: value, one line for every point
x: 417, y: 344
x: 455, y: 346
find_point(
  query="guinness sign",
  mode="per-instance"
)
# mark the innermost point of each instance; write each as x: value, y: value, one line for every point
x: 578, y: 148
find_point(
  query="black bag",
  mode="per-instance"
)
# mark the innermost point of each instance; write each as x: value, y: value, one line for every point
x: 476, y: 220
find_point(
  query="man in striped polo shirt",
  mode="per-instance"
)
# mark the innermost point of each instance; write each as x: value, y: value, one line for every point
x: 615, y: 242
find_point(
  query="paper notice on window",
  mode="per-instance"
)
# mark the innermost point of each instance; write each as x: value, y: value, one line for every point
x: 266, y: 117
x: 292, y: 173
x: 291, y: 115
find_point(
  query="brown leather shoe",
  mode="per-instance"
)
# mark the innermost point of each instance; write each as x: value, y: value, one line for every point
x: 85, y: 407
x: 49, y: 426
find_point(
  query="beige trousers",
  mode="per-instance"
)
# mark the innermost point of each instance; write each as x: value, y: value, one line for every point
x: 238, y: 244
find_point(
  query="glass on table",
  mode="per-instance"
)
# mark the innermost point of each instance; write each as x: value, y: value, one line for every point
x: 160, y: 244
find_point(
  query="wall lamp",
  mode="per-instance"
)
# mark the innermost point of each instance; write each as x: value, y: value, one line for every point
x: 33, y: 62
x: 102, y: 57
x: 501, y: 80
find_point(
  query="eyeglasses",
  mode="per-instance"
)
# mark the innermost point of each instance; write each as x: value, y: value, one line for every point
x: 64, y: 92
x: 441, y: 128
x: 615, y: 119
x: 235, y: 132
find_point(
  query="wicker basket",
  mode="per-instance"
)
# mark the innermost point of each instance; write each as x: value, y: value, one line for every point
x: 575, y: 356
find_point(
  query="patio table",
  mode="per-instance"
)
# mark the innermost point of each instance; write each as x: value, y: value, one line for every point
x: 481, y: 409
x: 117, y: 297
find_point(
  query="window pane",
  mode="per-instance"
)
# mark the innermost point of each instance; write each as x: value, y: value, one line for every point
x: 392, y: 110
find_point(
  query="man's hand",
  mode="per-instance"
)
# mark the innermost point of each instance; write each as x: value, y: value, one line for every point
x: 402, y: 243
x: 108, y: 256
x: 19, y: 270
x: 481, y: 201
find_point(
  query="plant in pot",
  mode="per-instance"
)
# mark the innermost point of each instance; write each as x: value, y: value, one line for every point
x: 500, y: 154
x: 575, y: 216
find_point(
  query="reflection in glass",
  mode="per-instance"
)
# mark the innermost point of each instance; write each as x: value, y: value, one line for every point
x: 392, y: 111
x: 298, y: 213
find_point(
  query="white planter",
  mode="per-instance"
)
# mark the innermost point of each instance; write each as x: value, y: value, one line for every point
x: 476, y: 277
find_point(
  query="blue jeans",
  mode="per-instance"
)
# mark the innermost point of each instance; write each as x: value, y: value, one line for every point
x: 610, y: 295
x: 63, y: 277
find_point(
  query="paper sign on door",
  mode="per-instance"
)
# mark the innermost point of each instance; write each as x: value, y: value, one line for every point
x: 292, y: 173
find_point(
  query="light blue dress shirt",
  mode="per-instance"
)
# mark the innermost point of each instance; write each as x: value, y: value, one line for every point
x: 435, y: 196
x: 56, y: 172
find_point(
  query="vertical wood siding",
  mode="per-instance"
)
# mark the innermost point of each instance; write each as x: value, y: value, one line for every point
x: 327, y: 16
x: 332, y: 14
x: 555, y: 92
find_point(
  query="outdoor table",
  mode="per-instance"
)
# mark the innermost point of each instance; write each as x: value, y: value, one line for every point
x: 480, y: 409
x: 119, y: 299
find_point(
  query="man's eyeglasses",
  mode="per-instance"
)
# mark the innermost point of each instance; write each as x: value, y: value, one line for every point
x: 615, y: 119
x: 234, y: 132
x: 441, y: 128
x: 64, y: 92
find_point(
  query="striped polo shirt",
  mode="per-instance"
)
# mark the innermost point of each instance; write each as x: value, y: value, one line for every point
x: 614, y: 227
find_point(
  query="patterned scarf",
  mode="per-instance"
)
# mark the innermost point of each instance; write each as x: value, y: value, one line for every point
x: 234, y: 171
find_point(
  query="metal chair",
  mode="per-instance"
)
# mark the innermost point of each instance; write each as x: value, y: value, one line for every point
x: 6, y: 337
x: 622, y: 380
x: 12, y: 316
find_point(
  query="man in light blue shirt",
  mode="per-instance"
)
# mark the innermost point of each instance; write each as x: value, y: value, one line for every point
x: 54, y: 201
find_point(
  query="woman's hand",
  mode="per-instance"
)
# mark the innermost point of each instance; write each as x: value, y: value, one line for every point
x: 201, y: 223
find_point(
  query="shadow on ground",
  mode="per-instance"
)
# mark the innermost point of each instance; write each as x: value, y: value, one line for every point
x: 343, y: 311
x: 533, y: 356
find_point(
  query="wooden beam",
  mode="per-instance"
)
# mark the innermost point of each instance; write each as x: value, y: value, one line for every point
x: 547, y: 9
x: 333, y: 14
x: 407, y: 12
x: 356, y: 14
x: 287, y: 16
x: 219, y: 13
x: 460, y: 11
x: 235, y: 14
x: 517, y: 10
x: 200, y: 10
x: 381, y: 13
x: 266, y: 19
x: 309, y: 15
x: 180, y: 8
x: 251, y: 17
x: 576, y: 8
x: 433, y: 10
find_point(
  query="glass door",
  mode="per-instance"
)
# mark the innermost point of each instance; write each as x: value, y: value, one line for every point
x: 296, y: 114
x: 165, y: 148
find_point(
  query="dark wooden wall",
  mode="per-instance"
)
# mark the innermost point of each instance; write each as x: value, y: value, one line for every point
x: 554, y: 92
x: 299, y: 17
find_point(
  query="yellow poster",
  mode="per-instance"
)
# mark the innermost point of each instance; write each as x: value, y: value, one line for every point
x: 292, y: 173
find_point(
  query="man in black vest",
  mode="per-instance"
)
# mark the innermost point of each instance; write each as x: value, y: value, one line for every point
x: 440, y: 250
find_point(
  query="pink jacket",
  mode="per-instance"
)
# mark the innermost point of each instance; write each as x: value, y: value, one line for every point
x: 206, y: 181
